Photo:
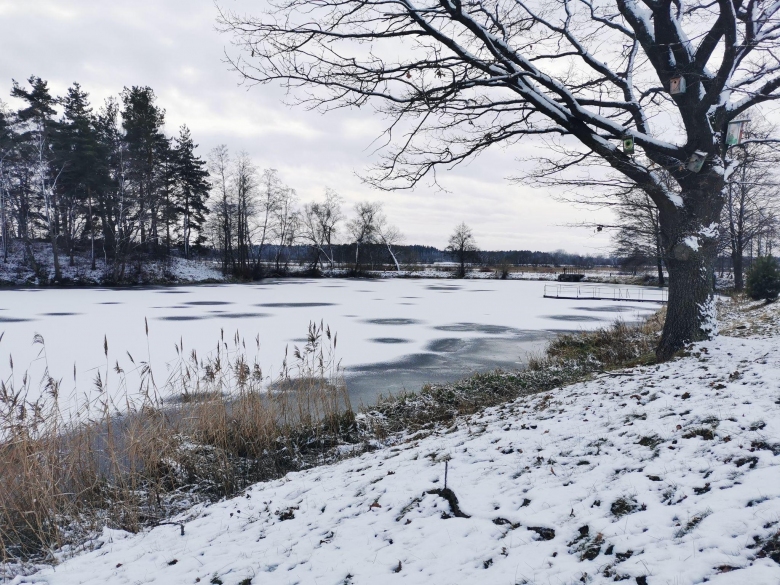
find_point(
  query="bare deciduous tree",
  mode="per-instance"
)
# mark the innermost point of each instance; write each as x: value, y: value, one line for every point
x: 363, y: 227
x: 320, y: 224
x: 456, y: 77
x: 463, y: 244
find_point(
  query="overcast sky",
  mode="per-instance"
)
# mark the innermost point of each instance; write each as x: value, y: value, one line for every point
x: 173, y: 47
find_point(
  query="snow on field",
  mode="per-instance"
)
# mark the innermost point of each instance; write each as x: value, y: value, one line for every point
x: 659, y: 475
x: 418, y: 330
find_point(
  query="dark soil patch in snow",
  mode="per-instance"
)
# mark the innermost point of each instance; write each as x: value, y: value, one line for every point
x: 544, y: 533
x: 623, y: 507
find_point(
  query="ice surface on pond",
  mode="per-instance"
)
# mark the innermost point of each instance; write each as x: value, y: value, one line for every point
x: 392, y: 334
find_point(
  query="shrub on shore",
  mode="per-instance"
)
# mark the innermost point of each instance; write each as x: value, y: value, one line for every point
x: 763, y: 279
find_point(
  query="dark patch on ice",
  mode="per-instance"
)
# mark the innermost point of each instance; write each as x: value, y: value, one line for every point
x: 174, y: 292
x: 447, y: 345
x: 110, y: 303
x: 59, y: 314
x: 476, y: 328
x: 445, y: 287
x: 393, y: 321
x: 366, y: 382
x: 293, y: 305
x: 410, y: 297
x: 582, y: 318
x: 14, y: 319
x: 242, y: 315
x: 390, y: 340
x: 410, y: 304
x: 182, y: 317
x: 613, y: 309
x: 208, y: 303
x: 482, y: 290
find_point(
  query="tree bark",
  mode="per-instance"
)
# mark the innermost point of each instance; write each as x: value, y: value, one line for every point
x: 736, y: 264
x: 689, y: 235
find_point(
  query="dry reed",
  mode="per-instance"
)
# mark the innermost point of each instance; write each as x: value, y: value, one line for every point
x: 136, y: 462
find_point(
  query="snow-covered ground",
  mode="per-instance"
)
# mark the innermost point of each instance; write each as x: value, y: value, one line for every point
x: 175, y: 270
x: 391, y: 333
x: 659, y: 475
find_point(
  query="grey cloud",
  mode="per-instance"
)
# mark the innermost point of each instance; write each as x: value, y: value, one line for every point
x: 173, y: 46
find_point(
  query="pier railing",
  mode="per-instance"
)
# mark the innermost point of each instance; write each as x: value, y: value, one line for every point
x: 606, y: 293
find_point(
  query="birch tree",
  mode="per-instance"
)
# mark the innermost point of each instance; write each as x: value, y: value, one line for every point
x: 638, y: 86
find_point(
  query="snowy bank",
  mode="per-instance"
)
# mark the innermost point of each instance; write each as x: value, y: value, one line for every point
x: 658, y: 475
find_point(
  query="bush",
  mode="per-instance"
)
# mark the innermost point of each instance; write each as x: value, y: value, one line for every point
x: 763, y: 279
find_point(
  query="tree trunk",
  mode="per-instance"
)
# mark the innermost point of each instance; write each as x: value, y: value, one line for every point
x: 690, y: 248
x: 736, y: 264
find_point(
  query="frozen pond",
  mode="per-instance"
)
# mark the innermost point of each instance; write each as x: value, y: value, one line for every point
x: 392, y: 334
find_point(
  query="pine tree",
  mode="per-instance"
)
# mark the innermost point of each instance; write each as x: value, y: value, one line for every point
x: 142, y: 121
x: 193, y: 187
x: 84, y: 167
x: 38, y: 127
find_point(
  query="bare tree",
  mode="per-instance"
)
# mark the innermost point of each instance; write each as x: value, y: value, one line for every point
x: 286, y: 226
x: 389, y: 235
x: 639, y: 229
x: 463, y: 244
x: 223, y: 206
x: 245, y: 182
x: 363, y: 227
x: 268, y: 201
x: 750, y: 216
x: 638, y: 86
x: 319, y: 226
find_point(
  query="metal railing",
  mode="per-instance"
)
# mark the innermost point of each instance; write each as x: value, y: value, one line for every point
x: 606, y: 293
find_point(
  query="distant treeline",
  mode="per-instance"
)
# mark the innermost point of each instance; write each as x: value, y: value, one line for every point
x: 377, y: 256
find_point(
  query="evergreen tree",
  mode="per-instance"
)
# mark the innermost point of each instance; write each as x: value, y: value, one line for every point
x: 193, y: 187
x: 38, y: 127
x: 763, y: 279
x: 84, y: 167
x: 142, y: 121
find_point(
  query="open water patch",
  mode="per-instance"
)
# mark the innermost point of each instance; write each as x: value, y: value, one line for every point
x: 445, y: 287
x: 14, y: 319
x: 393, y: 321
x: 208, y: 303
x: 390, y: 340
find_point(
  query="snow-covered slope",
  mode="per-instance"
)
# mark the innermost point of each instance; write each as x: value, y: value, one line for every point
x: 661, y: 475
